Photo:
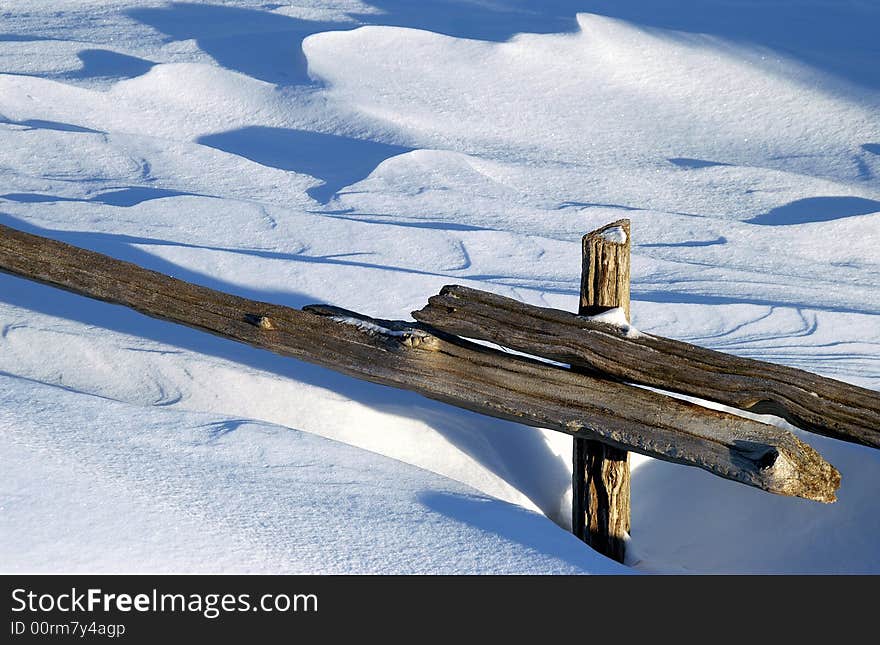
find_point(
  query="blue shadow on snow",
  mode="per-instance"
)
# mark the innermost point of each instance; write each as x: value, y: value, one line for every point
x: 268, y: 46
x: 40, y: 124
x: 816, y: 209
x: 839, y: 38
x: 491, y: 442
x: 525, y: 527
x: 689, y: 243
x: 336, y: 160
x: 835, y: 37
x: 690, y: 520
x: 260, y: 44
x: 103, y: 63
x: 129, y: 196
x: 694, y: 164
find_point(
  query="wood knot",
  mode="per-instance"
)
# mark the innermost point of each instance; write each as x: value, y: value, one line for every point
x: 418, y: 340
x: 411, y: 340
x: 263, y: 322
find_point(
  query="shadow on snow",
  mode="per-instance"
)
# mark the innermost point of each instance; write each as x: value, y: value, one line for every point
x: 836, y: 38
x: 336, y: 160
x: 491, y: 442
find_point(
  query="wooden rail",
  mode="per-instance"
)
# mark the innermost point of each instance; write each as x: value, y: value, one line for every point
x: 443, y: 367
x: 814, y: 403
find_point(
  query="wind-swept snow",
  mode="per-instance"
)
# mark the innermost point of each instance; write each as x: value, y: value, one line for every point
x: 363, y: 154
x: 164, y: 490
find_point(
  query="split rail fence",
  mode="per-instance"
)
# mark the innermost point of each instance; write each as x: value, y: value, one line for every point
x: 596, y: 398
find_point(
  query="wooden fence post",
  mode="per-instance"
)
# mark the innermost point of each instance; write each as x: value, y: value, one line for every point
x: 600, y: 476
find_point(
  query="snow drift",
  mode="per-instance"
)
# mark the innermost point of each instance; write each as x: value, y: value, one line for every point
x: 363, y: 155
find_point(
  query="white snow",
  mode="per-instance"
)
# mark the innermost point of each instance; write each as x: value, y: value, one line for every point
x: 363, y: 154
x: 373, y: 328
x: 615, y: 234
x: 190, y: 491
x: 616, y: 317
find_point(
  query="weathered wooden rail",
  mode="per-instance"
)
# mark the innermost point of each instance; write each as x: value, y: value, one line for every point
x: 593, y: 401
x: 821, y: 405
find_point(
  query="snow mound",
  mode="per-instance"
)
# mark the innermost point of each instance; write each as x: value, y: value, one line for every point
x: 364, y: 155
x: 156, y: 490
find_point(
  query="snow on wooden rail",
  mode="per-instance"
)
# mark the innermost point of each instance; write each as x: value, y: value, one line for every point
x: 443, y: 367
x: 815, y: 403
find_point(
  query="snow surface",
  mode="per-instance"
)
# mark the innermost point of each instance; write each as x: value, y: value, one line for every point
x: 364, y: 154
x: 616, y: 316
x: 164, y: 490
x: 615, y: 234
x: 373, y: 328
